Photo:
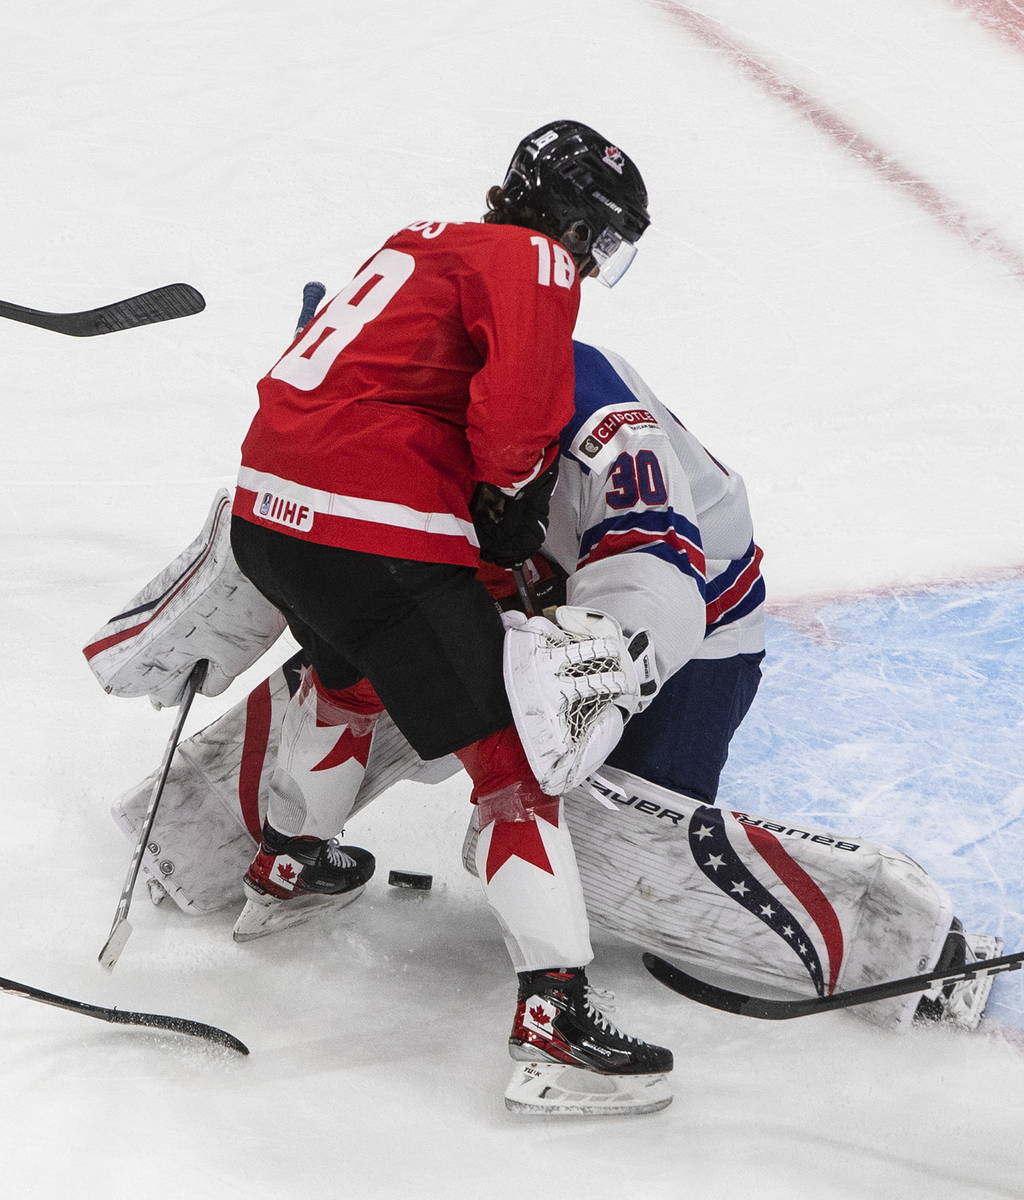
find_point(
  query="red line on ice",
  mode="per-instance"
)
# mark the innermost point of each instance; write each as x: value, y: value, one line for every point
x: 1003, y: 17
x: 925, y: 195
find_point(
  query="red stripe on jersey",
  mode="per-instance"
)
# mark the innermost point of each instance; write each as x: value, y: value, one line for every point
x: 618, y: 543
x: 370, y: 537
x: 736, y: 591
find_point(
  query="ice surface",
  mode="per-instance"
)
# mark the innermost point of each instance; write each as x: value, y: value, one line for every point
x: 838, y: 317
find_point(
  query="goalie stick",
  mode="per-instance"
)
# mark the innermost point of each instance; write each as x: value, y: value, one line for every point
x: 117, y: 1016
x: 161, y: 304
x: 784, y: 1010
x: 120, y: 930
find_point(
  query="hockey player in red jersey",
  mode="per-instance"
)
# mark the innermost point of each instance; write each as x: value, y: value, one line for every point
x: 409, y: 429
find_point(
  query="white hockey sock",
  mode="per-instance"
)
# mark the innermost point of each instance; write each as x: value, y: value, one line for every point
x: 320, y: 764
x: 528, y: 870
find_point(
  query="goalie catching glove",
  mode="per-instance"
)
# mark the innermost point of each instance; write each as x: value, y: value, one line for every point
x: 572, y: 684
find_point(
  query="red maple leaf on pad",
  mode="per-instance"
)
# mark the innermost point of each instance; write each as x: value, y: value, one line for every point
x: 519, y: 839
x: 348, y: 746
x: 286, y: 871
x: 540, y: 1017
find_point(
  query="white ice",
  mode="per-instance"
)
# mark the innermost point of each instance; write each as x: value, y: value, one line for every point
x: 838, y: 341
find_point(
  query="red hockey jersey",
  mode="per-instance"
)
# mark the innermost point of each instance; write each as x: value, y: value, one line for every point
x: 447, y: 361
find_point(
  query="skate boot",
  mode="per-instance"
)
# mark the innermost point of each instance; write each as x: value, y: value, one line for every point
x: 960, y: 1004
x: 292, y: 879
x: 575, y: 1060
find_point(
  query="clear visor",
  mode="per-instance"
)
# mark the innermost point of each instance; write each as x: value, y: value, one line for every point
x: 613, y: 254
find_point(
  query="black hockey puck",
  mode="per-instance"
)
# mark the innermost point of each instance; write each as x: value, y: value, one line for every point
x: 411, y: 879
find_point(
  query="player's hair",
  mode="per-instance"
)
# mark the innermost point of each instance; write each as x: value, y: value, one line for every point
x: 501, y: 212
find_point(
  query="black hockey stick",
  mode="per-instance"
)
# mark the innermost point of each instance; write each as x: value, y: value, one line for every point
x: 312, y: 294
x: 162, y: 304
x: 523, y: 589
x: 120, y: 930
x: 117, y: 1016
x: 784, y: 1010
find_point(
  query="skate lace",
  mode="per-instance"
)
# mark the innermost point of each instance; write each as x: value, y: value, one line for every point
x: 596, y: 1001
x: 336, y: 857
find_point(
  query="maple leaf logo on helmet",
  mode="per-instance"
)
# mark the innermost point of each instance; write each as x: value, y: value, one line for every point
x: 614, y: 157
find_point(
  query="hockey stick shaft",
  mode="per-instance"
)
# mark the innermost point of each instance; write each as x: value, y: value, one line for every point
x: 784, y: 1010
x: 118, y: 1016
x: 523, y: 588
x: 165, y: 303
x: 312, y: 294
x: 120, y: 930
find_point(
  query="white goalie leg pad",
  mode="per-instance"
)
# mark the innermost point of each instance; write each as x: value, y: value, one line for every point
x: 570, y: 686
x: 551, y: 1089
x: 214, y: 801
x: 217, y: 792
x: 199, y: 607
x: 751, y: 903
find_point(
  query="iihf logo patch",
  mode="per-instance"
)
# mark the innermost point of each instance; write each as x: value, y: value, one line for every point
x: 615, y: 159
x: 272, y: 507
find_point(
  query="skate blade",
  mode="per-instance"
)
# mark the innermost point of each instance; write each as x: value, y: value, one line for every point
x: 550, y: 1089
x: 266, y: 914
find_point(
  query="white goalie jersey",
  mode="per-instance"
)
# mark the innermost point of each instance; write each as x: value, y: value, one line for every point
x: 650, y: 527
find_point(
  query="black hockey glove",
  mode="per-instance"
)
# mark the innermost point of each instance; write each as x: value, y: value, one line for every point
x: 511, y: 528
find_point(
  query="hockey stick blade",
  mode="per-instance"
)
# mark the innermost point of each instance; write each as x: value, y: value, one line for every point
x: 117, y: 1016
x: 784, y: 1010
x: 120, y: 932
x: 165, y: 303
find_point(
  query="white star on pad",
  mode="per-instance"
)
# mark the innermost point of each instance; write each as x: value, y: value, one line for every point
x: 705, y: 831
x: 788, y: 931
x: 767, y: 910
x: 715, y: 861
x: 740, y: 888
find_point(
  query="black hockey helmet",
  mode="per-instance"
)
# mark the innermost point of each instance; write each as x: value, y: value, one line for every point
x: 567, y: 181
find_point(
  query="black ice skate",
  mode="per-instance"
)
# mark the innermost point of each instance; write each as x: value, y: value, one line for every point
x: 292, y: 879
x: 960, y: 1004
x: 573, y: 1058
x: 556, y: 1021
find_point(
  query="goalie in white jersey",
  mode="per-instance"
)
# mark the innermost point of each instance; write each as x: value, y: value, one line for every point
x: 651, y: 530
x: 657, y: 533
